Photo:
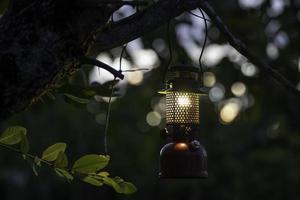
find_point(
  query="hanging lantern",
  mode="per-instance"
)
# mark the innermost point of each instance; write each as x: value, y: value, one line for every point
x: 184, y: 156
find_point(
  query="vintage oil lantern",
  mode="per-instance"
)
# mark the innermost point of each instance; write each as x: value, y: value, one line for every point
x: 183, y: 156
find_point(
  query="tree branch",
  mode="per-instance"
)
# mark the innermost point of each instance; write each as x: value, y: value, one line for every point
x: 159, y: 14
x: 243, y: 49
x: 32, y: 157
x: 91, y: 61
x: 141, y: 23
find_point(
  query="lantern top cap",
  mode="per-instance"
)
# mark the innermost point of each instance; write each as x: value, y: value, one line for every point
x: 184, y: 78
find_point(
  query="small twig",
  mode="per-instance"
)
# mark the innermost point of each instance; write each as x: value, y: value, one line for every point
x: 32, y: 157
x: 107, y: 119
x: 135, y: 70
x: 91, y: 61
x: 26, y: 154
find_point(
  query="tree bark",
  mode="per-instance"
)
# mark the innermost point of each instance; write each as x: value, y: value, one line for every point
x: 40, y: 41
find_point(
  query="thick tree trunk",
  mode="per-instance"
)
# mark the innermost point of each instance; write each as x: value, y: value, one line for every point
x: 40, y: 41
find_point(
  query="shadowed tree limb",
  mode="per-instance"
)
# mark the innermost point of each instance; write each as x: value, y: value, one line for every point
x: 155, y: 16
x: 91, y: 61
x: 244, y: 50
x: 141, y: 23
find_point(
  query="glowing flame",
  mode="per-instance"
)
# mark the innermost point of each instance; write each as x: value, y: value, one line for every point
x: 183, y: 101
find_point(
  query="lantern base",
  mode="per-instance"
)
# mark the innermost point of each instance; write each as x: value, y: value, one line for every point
x: 183, y: 160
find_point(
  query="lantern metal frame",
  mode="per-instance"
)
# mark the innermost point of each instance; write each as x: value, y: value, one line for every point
x: 184, y: 157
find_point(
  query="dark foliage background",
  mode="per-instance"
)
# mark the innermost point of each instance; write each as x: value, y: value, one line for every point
x: 256, y: 156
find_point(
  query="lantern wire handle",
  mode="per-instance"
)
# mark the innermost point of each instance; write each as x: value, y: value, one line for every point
x: 208, y: 20
x: 121, y: 56
x: 204, y: 43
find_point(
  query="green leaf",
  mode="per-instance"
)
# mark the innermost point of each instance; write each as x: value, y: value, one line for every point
x: 93, y: 181
x: 64, y: 174
x: 13, y: 135
x: 76, y: 99
x: 120, y: 185
x: 52, y: 152
x: 61, y: 161
x: 90, y: 163
x: 103, y: 174
x: 118, y: 180
x: 109, y: 181
x: 24, y: 146
x: 126, y: 188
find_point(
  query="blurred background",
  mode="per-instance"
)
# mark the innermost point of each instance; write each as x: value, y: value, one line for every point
x: 250, y: 125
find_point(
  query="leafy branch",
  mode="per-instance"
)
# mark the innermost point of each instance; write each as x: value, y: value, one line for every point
x: 87, y: 168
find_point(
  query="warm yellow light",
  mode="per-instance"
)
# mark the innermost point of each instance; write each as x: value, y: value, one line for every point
x: 229, y: 112
x: 183, y: 101
x: 135, y: 78
x: 182, y: 108
x: 181, y: 146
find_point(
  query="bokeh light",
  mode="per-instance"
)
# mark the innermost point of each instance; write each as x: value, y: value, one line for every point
x: 135, y: 78
x: 272, y: 51
x: 153, y: 118
x: 213, y: 54
x: 250, y: 3
x: 238, y: 89
x: 276, y: 8
x: 281, y: 40
x: 160, y: 107
x: 248, y: 69
x: 216, y: 93
x: 229, y: 111
x: 209, y: 79
x: 145, y: 58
